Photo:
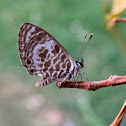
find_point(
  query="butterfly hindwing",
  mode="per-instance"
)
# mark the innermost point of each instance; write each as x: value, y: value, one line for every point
x: 41, y: 54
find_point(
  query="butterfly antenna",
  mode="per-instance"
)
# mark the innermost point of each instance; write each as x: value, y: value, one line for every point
x: 85, y: 45
x: 81, y: 45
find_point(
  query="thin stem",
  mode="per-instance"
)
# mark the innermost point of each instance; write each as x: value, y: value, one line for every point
x: 119, y: 20
x: 120, y: 116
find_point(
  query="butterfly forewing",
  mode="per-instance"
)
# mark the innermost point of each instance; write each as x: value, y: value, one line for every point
x: 47, y: 57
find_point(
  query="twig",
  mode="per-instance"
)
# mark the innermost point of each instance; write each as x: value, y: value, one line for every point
x: 113, y: 80
x: 120, y: 116
x: 119, y: 20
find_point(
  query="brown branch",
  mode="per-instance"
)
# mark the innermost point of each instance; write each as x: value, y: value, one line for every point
x: 119, y: 20
x: 120, y: 116
x: 113, y: 80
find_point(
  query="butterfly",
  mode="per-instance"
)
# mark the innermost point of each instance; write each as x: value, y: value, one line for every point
x: 44, y: 56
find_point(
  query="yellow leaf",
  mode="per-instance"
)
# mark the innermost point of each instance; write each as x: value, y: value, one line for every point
x: 117, y: 8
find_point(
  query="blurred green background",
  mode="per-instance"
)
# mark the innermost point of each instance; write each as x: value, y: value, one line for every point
x: 22, y: 103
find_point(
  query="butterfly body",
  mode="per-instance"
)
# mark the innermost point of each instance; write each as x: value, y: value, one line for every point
x: 44, y: 56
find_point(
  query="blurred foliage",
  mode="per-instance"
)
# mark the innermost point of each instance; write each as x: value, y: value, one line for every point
x: 22, y: 104
x: 118, y: 7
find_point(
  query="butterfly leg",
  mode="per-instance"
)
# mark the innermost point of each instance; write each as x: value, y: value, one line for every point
x: 84, y: 75
x: 79, y: 74
x: 67, y: 77
x: 63, y: 80
x: 75, y: 81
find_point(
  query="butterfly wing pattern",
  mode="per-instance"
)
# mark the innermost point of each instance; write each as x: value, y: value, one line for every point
x: 44, y: 56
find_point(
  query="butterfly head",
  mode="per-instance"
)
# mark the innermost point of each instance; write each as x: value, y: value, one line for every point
x: 80, y: 63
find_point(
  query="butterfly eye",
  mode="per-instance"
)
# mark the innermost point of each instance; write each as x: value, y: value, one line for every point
x: 28, y: 62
